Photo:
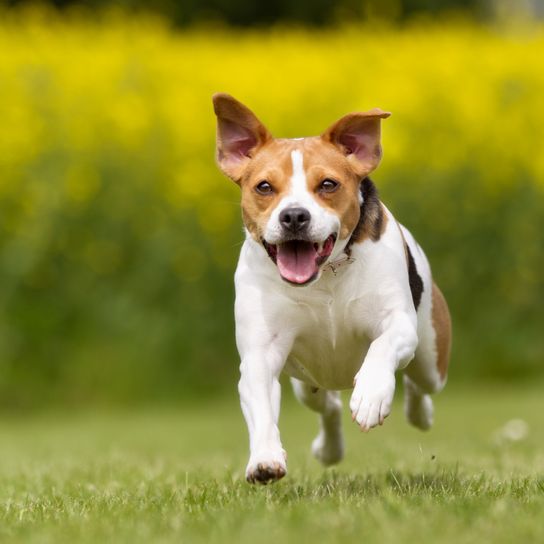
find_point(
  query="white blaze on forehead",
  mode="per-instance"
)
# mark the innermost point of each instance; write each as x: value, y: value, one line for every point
x: 299, y: 186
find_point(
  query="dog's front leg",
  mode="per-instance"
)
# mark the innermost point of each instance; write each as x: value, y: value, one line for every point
x: 374, y: 385
x: 260, y: 395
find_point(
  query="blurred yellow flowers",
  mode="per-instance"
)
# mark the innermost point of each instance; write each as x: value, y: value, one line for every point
x: 112, y: 209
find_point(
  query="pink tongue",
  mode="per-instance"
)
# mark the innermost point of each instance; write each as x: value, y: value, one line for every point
x: 297, y: 261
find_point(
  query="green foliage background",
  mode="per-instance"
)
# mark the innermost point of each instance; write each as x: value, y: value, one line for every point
x: 119, y: 237
x: 249, y: 13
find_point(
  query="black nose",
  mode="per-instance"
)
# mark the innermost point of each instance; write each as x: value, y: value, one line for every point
x: 295, y: 219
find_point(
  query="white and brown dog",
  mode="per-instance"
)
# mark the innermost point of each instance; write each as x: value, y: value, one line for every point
x: 330, y: 288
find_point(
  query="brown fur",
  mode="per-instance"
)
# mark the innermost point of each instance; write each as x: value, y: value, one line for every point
x: 442, y: 326
x: 323, y: 160
x: 383, y: 223
x: 272, y: 163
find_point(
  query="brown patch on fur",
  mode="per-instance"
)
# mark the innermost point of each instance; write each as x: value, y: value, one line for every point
x: 322, y: 160
x: 442, y: 326
x: 271, y: 163
x: 383, y: 222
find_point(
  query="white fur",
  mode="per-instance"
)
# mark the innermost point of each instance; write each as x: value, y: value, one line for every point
x: 328, y: 445
x: 355, y: 328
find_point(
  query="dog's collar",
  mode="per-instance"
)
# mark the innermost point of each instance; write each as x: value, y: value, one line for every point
x: 333, y: 266
x: 370, y: 219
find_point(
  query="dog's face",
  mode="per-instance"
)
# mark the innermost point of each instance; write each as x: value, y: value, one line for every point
x: 300, y: 198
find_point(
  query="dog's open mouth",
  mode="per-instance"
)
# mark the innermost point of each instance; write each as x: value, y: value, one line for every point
x: 298, y: 261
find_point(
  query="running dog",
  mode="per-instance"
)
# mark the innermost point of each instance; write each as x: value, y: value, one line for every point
x: 330, y: 288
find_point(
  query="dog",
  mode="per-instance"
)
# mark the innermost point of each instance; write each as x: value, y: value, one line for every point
x: 330, y: 288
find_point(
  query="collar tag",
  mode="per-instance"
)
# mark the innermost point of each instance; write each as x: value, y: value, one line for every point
x: 335, y: 265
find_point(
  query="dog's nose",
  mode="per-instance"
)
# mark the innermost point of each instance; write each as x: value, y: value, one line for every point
x: 295, y: 219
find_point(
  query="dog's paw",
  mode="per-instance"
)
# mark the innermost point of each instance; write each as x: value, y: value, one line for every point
x: 419, y: 410
x: 372, y: 396
x: 327, y: 449
x: 266, y: 468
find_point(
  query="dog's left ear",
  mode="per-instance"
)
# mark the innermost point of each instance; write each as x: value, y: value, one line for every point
x: 239, y: 135
x: 357, y: 135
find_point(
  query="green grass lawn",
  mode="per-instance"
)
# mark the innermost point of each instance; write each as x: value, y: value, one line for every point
x: 176, y: 475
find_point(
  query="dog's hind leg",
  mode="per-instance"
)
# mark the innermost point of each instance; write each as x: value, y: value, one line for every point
x: 328, y: 446
x: 418, y: 406
x: 427, y: 373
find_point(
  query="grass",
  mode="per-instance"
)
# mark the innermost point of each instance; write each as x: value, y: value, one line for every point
x: 176, y: 475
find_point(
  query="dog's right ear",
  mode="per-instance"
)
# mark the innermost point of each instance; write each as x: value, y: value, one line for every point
x: 239, y: 135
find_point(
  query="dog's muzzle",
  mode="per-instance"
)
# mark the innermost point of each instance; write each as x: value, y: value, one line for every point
x: 299, y: 260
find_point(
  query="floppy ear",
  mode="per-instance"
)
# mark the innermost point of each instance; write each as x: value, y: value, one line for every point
x: 358, y: 137
x: 239, y: 135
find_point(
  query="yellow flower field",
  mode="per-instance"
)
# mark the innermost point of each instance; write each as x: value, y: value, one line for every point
x: 107, y: 179
x: 459, y: 94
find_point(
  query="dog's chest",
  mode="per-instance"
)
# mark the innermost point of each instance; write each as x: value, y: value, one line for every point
x: 328, y: 347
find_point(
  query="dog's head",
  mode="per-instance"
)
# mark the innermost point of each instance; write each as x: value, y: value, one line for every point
x: 300, y: 198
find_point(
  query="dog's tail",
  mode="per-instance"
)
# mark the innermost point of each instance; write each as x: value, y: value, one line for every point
x: 418, y: 406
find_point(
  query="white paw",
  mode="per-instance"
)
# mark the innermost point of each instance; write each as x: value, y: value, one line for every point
x: 372, y: 396
x: 328, y: 449
x: 266, y: 467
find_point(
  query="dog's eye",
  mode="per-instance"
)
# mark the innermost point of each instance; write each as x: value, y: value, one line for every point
x: 328, y: 186
x: 264, y: 188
